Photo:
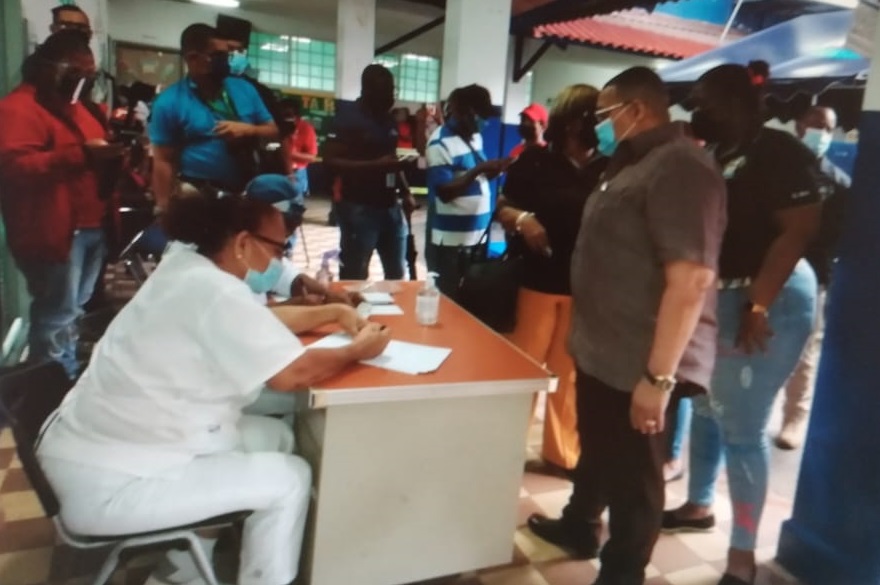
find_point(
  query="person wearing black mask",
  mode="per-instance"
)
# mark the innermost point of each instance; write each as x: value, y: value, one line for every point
x: 204, y: 128
x: 54, y: 159
x: 532, y: 124
x: 361, y: 151
x: 766, y: 304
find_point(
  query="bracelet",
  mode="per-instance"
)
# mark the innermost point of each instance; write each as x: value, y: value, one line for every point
x: 752, y: 307
x: 522, y: 217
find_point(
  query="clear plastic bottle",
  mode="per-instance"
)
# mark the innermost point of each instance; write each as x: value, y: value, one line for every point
x: 428, y: 302
x: 325, y: 275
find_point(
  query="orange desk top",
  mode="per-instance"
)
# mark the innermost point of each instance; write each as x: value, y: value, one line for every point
x: 482, y: 362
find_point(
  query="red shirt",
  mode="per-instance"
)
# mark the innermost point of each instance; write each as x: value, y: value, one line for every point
x: 47, y: 189
x: 303, y: 141
x: 404, y: 135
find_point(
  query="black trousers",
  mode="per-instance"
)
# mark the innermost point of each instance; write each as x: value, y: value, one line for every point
x: 621, y: 469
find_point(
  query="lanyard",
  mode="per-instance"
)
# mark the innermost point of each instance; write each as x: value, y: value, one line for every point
x: 227, y: 111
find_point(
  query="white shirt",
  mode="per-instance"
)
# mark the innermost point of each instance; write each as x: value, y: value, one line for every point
x: 169, y: 379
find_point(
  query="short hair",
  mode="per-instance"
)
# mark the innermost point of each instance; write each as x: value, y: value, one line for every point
x: 734, y: 84
x: 197, y: 37
x: 643, y: 84
x: 290, y: 103
x: 375, y: 72
x: 574, y: 103
x: 56, y: 12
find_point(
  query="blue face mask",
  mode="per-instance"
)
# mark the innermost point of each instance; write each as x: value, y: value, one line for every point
x: 818, y: 141
x: 238, y: 63
x: 262, y: 282
x: 607, y: 137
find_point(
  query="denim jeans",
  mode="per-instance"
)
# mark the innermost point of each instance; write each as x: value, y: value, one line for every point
x: 365, y: 228
x: 679, y: 427
x: 732, y: 421
x: 300, y: 180
x: 59, y: 291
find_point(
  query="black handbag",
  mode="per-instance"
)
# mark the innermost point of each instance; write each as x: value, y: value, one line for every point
x: 489, y: 287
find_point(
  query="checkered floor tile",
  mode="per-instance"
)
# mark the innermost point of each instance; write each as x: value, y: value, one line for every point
x: 30, y: 553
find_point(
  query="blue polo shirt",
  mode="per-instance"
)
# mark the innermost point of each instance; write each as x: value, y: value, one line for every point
x: 181, y: 119
x: 462, y: 221
x: 366, y: 138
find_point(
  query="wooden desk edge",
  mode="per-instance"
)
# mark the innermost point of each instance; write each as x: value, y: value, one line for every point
x: 319, y: 399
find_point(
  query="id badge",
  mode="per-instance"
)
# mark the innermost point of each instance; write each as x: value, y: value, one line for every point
x: 391, y: 180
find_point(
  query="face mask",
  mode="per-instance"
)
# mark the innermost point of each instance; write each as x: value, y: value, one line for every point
x: 262, y: 282
x: 238, y: 63
x: 220, y: 66
x: 528, y: 132
x: 818, y: 141
x: 705, y: 127
x: 607, y: 137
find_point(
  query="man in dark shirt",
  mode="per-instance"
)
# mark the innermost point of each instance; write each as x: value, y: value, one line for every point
x: 643, y: 276
x: 361, y: 151
x: 815, y: 129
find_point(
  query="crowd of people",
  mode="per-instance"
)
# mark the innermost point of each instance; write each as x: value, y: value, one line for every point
x: 666, y: 264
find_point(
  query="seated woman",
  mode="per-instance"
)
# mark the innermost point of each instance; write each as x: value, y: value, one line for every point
x: 153, y: 435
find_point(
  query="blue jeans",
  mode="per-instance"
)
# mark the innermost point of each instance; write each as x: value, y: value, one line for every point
x: 300, y: 180
x: 365, y: 228
x: 680, y: 427
x: 732, y: 420
x: 59, y: 291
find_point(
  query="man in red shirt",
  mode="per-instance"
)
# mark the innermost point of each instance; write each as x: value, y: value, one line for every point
x: 532, y: 123
x: 56, y: 172
x: 300, y: 145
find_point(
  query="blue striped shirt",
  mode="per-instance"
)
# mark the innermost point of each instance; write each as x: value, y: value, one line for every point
x: 463, y: 220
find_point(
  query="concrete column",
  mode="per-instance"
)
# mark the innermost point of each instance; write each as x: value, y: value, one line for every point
x: 475, y: 46
x: 355, y: 43
x: 834, y: 533
x: 38, y: 14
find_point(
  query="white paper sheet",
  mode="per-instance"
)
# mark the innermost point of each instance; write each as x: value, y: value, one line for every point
x: 385, y: 311
x: 399, y: 356
x: 378, y: 298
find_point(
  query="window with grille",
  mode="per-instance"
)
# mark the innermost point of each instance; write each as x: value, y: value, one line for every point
x: 296, y: 62
x: 417, y: 77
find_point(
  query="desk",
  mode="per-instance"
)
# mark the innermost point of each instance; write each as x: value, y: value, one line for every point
x: 418, y: 477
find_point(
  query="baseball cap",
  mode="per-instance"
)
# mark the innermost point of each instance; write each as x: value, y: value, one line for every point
x: 537, y: 113
x: 279, y: 191
x: 479, y: 99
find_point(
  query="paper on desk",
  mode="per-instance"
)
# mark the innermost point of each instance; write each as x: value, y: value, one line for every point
x: 385, y: 311
x: 378, y: 298
x: 399, y: 356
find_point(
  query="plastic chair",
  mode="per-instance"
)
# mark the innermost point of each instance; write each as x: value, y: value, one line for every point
x: 29, y: 395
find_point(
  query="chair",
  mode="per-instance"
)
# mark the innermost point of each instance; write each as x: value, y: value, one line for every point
x: 29, y: 394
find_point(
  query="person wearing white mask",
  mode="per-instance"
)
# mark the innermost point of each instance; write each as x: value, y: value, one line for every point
x: 153, y: 435
x: 815, y: 129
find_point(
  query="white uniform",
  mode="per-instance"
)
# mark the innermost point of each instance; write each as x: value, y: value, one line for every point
x: 153, y: 435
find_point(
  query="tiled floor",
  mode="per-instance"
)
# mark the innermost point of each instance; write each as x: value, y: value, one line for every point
x: 30, y: 553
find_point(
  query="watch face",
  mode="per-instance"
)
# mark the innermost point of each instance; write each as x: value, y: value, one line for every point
x: 667, y: 385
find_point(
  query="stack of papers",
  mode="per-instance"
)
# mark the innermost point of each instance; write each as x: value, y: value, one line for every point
x: 399, y: 356
x: 378, y: 298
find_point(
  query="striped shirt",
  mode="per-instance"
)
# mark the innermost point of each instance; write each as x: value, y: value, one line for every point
x: 462, y: 221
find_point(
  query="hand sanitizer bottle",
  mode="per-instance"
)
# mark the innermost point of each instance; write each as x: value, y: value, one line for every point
x: 325, y: 275
x: 428, y: 302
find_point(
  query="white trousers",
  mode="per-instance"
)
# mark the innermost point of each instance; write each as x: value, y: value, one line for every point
x: 263, y: 477
x: 802, y: 383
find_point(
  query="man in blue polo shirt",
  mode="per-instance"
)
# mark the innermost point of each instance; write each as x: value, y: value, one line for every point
x: 204, y: 128
x: 361, y: 150
x: 459, y: 197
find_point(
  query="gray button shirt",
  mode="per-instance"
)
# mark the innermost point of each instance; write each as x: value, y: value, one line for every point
x: 662, y: 200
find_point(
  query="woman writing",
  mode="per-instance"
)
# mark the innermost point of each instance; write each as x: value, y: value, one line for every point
x: 766, y: 304
x: 544, y: 196
x: 153, y: 435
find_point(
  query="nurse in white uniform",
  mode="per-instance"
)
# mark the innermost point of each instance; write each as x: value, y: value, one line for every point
x: 153, y: 435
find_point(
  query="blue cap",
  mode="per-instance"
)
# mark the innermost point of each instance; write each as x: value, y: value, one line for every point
x: 280, y: 192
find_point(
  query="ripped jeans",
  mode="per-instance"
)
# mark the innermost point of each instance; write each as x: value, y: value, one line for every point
x: 732, y: 421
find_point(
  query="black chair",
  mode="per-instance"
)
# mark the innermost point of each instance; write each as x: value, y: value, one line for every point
x: 29, y: 395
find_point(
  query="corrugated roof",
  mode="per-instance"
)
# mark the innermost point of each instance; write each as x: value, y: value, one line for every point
x: 639, y: 31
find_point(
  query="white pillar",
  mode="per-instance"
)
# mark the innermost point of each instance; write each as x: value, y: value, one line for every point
x: 475, y: 46
x: 355, y: 43
x: 38, y: 14
x: 518, y: 94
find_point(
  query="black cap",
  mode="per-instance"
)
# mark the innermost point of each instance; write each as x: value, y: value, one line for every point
x: 477, y: 98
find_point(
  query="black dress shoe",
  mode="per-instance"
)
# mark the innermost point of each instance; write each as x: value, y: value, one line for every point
x: 728, y: 579
x: 579, y: 543
x: 672, y: 523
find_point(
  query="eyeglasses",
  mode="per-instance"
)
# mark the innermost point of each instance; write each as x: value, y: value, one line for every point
x: 605, y: 113
x: 283, y: 247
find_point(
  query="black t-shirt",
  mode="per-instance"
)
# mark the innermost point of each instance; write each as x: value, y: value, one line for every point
x: 549, y: 185
x: 776, y: 172
x: 823, y: 250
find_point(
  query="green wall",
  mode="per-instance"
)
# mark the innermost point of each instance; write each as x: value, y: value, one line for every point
x: 13, y: 296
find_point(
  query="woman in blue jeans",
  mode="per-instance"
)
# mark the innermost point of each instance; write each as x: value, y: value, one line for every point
x: 766, y: 305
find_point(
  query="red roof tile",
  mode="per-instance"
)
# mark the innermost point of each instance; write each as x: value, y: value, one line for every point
x: 639, y: 31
